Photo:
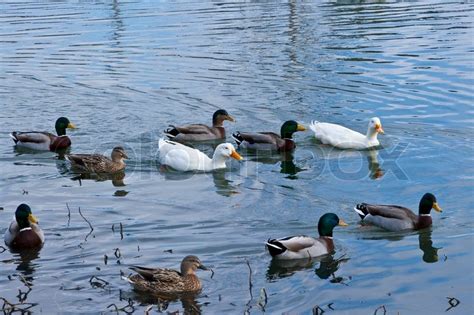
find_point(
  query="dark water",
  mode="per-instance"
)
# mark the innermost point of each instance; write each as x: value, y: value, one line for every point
x: 123, y: 71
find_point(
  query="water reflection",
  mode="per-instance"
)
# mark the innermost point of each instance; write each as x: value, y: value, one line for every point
x: 286, y: 160
x: 430, y: 253
x: 223, y: 185
x: 116, y: 178
x: 24, y: 259
x: 188, y: 300
x: 328, y: 265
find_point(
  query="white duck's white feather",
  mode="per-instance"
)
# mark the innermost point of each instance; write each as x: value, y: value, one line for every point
x: 345, y: 138
x: 310, y: 247
x: 184, y: 158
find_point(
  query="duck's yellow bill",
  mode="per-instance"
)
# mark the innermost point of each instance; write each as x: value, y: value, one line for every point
x: 378, y: 128
x: 230, y: 118
x: 342, y: 223
x: 32, y: 218
x: 236, y: 156
x: 70, y: 126
x: 300, y: 127
x: 437, y: 207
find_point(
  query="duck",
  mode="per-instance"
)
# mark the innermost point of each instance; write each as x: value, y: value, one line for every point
x: 201, y: 132
x: 98, y: 163
x: 45, y: 141
x: 344, y: 138
x: 168, y: 281
x: 270, y: 140
x: 183, y: 158
x: 24, y: 231
x: 302, y: 246
x: 397, y: 218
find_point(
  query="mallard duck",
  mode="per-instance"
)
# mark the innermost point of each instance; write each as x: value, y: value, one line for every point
x: 183, y: 158
x: 168, y: 281
x: 302, y: 246
x: 201, y: 132
x: 270, y: 140
x: 397, y: 218
x: 97, y: 163
x: 345, y: 138
x: 24, y: 231
x: 45, y: 141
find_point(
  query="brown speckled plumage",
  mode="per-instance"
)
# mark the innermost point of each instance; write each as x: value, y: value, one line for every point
x: 97, y: 163
x: 168, y: 281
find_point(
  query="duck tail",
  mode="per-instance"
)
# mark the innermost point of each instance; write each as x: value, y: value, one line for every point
x: 14, y: 137
x: 274, y: 247
x: 127, y: 279
x: 171, y: 132
x: 237, y: 137
x: 361, y: 210
x: 312, y: 125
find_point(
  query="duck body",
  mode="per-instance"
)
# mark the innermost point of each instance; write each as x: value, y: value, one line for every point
x: 269, y: 141
x: 299, y: 247
x: 397, y: 218
x: 201, y: 132
x: 302, y: 246
x: 97, y: 163
x: 345, y: 138
x: 183, y: 158
x: 45, y: 141
x: 24, y: 231
x: 168, y: 281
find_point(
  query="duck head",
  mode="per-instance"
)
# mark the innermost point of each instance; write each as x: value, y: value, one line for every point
x: 24, y: 217
x: 226, y: 150
x: 375, y: 126
x: 328, y: 222
x: 61, y: 124
x: 118, y: 154
x: 190, y: 264
x: 289, y: 128
x: 219, y: 117
x: 428, y: 202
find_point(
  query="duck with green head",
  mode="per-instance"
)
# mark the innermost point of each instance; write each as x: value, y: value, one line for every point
x: 270, y: 140
x: 398, y: 218
x: 168, y: 281
x: 45, y: 141
x: 24, y: 231
x: 201, y: 132
x: 302, y: 246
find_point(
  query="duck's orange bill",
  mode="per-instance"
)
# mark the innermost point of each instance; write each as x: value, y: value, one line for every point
x: 230, y: 118
x: 236, y: 156
x: 378, y: 128
x: 71, y: 126
x: 437, y: 207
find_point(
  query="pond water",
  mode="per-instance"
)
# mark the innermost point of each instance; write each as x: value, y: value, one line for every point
x: 122, y: 71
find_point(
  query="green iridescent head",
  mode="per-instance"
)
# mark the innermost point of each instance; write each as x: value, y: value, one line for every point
x: 289, y: 128
x: 61, y: 124
x: 328, y: 222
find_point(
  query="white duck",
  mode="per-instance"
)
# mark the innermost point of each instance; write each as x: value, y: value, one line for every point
x: 183, y: 158
x: 345, y: 138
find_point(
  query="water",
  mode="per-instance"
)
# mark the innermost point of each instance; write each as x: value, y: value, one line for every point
x: 123, y: 71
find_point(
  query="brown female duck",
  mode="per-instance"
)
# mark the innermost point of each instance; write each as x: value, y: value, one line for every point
x: 97, y: 163
x: 168, y: 281
x: 201, y: 132
x: 45, y: 141
x: 270, y: 140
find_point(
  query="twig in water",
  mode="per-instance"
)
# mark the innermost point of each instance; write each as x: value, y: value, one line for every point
x: 9, y: 307
x: 68, y: 215
x: 318, y: 311
x: 90, y: 225
x: 262, y: 301
x: 106, y: 258
x: 99, y: 283
x: 382, y: 307
x: 22, y: 296
x: 453, y: 302
x: 2, y: 249
x: 129, y: 308
x: 117, y: 252
x: 148, y: 309
x: 25, y: 282
x: 250, y: 279
x: 121, y: 231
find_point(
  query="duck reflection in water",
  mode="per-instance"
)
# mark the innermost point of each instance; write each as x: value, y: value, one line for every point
x: 286, y: 160
x: 430, y: 253
x: 188, y: 300
x: 24, y: 259
x: 328, y: 265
